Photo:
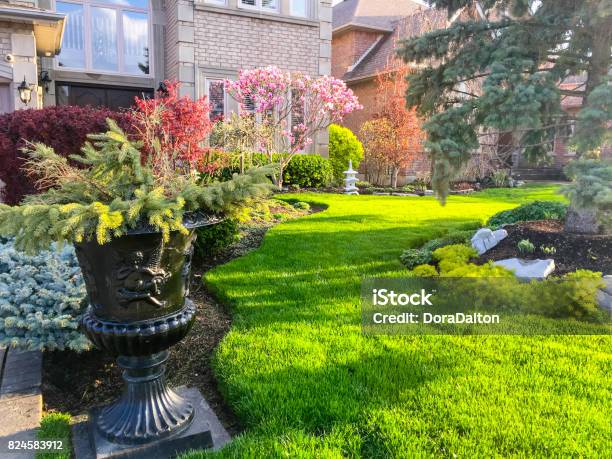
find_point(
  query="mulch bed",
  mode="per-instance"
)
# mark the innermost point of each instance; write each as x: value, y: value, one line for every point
x: 573, y: 251
x: 76, y: 382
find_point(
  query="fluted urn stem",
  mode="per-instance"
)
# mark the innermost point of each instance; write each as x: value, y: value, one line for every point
x: 148, y: 409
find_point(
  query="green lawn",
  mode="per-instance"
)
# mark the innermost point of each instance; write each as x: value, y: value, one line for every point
x: 306, y: 383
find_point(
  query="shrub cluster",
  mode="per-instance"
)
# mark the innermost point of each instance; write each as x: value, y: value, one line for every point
x: 537, y: 210
x: 574, y: 295
x: 64, y: 128
x: 424, y: 255
x: 212, y: 239
x: 453, y: 256
x: 343, y: 146
x: 42, y: 298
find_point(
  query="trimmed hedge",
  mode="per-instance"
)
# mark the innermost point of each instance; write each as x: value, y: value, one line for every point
x: 308, y: 171
x: 303, y: 171
x: 64, y: 128
x: 343, y: 146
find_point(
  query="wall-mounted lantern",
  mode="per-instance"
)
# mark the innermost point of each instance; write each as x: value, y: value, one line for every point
x: 44, y: 80
x: 25, y: 91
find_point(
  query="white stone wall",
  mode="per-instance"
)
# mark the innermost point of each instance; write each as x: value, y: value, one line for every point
x: 18, y: 41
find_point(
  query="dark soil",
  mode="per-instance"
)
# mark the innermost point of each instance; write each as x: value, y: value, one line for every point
x: 76, y: 382
x: 573, y: 251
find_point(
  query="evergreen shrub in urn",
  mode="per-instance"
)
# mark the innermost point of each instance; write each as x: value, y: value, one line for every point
x: 130, y: 205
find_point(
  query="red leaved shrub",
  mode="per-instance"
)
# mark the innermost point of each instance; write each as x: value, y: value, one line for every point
x: 64, y: 128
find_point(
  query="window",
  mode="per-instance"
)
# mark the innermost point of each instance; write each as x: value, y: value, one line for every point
x: 217, y: 2
x: 106, y: 36
x: 297, y: 114
x: 299, y: 8
x: 215, y: 90
x: 265, y: 5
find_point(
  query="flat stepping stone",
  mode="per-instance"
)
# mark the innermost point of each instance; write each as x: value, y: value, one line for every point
x: 527, y: 270
x: 20, y: 397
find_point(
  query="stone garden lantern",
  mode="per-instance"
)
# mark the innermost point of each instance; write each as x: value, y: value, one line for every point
x: 350, y: 180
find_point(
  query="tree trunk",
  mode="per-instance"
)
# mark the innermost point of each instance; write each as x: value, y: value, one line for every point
x: 582, y: 221
x: 394, y: 174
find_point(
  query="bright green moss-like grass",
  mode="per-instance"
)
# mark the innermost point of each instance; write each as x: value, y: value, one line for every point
x: 305, y: 382
x: 55, y: 426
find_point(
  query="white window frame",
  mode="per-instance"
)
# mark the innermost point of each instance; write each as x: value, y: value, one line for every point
x: 87, y: 35
x: 259, y: 6
x: 207, y: 82
x: 216, y: 2
x: 308, y: 12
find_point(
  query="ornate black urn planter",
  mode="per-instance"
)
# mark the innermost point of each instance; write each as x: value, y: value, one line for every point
x: 137, y: 286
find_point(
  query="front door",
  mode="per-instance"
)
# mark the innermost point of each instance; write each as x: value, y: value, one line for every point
x: 112, y: 97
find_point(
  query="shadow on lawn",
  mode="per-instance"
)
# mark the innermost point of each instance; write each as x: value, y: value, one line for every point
x: 319, y: 398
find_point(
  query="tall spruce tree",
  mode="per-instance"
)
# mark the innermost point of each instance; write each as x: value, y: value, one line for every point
x: 498, y: 69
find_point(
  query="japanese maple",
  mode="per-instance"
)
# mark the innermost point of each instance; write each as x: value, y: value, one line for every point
x: 399, y: 128
x: 177, y: 126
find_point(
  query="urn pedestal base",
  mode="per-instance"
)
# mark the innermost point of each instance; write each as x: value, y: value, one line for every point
x: 204, y: 432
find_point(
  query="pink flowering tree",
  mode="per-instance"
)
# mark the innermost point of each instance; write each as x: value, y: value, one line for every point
x: 290, y: 109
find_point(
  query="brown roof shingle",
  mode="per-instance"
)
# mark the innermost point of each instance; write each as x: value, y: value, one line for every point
x: 374, y: 14
x: 382, y: 56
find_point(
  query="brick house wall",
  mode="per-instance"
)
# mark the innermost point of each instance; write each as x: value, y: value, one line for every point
x: 366, y: 92
x: 348, y: 47
x: 237, y: 42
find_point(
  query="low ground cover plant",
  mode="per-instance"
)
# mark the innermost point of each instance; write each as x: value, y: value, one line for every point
x: 54, y: 427
x: 424, y: 255
x: 537, y: 210
x: 525, y: 246
x: 42, y: 298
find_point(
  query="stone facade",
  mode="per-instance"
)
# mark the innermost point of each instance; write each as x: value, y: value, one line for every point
x: 193, y: 41
x: 17, y: 41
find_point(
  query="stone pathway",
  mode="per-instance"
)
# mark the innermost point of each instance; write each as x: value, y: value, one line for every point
x: 20, y: 398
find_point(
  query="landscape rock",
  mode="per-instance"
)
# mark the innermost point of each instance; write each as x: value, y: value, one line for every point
x: 485, y: 239
x: 604, y: 296
x: 527, y: 270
